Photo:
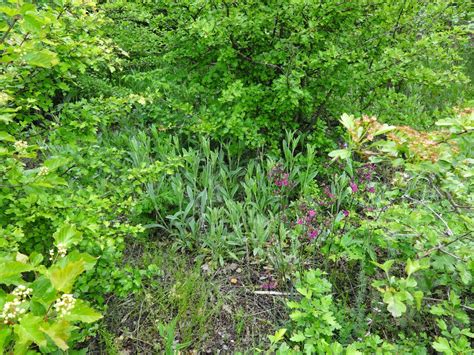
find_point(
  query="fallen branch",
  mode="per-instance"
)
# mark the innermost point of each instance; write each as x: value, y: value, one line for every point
x: 272, y: 293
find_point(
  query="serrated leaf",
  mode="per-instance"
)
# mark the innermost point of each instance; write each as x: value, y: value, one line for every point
x: 4, y: 136
x: 82, y: 312
x: 28, y: 331
x: 442, y: 345
x: 67, y: 235
x: 340, y: 154
x: 10, y: 271
x: 395, y: 304
x: 63, y: 277
x: 59, y: 332
x: 44, y: 58
x: 298, y: 337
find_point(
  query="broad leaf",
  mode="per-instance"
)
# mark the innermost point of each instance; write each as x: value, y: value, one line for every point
x: 4, y: 335
x: 67, y: 235
x: 340, y: 154
x: 442, y: 345
x: 395, y: 304
x: 43, y: 59
x: 347, y: 121
x: 28, y: 331
x: 82, y: 312
x: 4, y: 136
x: 59, y: 332
x: 63, y: 276
x: 10, y: 271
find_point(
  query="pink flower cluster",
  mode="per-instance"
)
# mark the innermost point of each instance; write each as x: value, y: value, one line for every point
x: 279, y: 177
x: 283, y: 181
x: 308, y: 221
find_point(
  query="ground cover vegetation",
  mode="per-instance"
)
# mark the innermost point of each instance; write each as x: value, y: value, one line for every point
x: 240, y: 176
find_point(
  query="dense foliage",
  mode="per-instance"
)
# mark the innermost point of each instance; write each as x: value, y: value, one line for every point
x: 250, y: 69
x: 257, y: 176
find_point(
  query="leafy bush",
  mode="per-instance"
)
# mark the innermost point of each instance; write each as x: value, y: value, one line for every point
x: 251, y: 69
x: 54, y: 225
x: 44, y: 49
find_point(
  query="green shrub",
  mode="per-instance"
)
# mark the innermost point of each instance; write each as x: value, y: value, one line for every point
x: 44, y: 49
x: 251, y: 69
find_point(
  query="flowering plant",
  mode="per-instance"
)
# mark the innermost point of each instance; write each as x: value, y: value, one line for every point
x: 37, y: 306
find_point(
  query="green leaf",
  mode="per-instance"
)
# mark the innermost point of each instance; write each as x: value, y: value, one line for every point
x: 4, y: 136
x: 9, y: 11
x: 4, y: 335
x: 67, y: 235
x: 278, y: 336
x: 395, y: 304
x: 43, y: 291
x: 298, y: 337
x: 10, y: 271
x: 32, y: 23
x: 7, y: 117
x: 63, y: 276
x: 55, y: 162
x: 59, y: 332
x: 385, y: 266
x: 82, y: 312
x: 442, y: 345
x: 412, y: 266
x: 418, y: 295
x: 340, y: 154
x: 347, y: 121
x: 89, y: 260
x: 304, y: 291
x: 44, y: 58
x: 37, y: 308
x: 28, y: 331
x: 385, y: 128
x: 464, y: 273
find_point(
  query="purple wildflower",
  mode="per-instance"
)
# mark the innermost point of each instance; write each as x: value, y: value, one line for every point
x: 354, y: 186
x: 345, y: 213
x: 299, y: 221
x: 328, y: 193
x: 313, y: 234
x: 371, y: 189
x: 269, y: 285
x: 311, y: 213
